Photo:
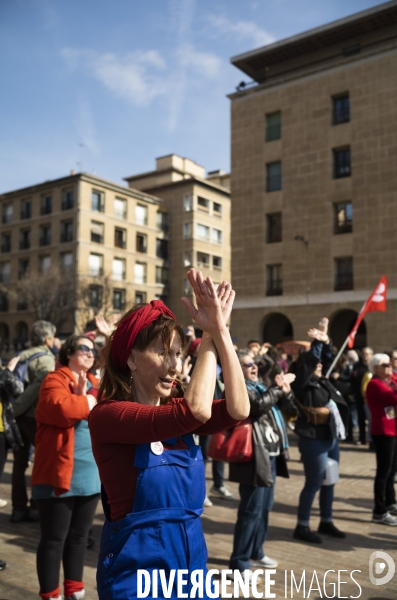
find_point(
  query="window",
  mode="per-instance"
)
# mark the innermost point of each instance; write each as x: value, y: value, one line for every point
x: 23, y: 267
x: 118, y: 300
x: 22, y: 303
x: 162, y: 221
x: 203, y: 259
x: 7, y: 213
x: 186, y: 288
x: 97, y: 201
x: 187, y: 230
x: 203, y: 204
x: 274, y: 284
x: 162, y: 275
x: 66, y: 231
x: 273, y: 228
x: 141, y: 214
x: 120, y: 208
x: 3, y: 302
x: 120, y: 237
x: 187, y: 258
x: 24, y: 239
x: 140, y: 298
x: 162, y: 249
x: 67, y: 199
x: 217, y: 262
x: 343, y: 221
x: 188, y: 202
x: 95, y: 265
x: 140, y: 273
x: 217, y: 209
x: 273, y: 126
x: 44, y: 263
x: 202, y: 232
x: 97, y: 230
x: 46, y: 205
x: 66, y: 260
x: 118, y: 269
x: 273, y: 177
x: 217, y: 236
x: 141, y: 243
x: 341, y: 109
x: 6, y: 242
x: 45, y: 235
x: 342, y: 166
x: 95, y: 296
x: 344, y: 273
x: 26, y: 209
x: 5, y: 272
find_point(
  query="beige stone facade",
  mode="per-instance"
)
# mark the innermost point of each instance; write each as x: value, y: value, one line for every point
x: 317, y: 98
x: 199, y: 221
x: 110, y: 237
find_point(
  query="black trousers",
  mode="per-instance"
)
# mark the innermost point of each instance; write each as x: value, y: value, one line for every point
x: 64, y: 524
x: 361, y: 420
x: 386, y: 467
x: 19, y: 494
x: 3, y: 452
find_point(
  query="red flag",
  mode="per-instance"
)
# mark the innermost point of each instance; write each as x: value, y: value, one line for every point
x: 376, y: 301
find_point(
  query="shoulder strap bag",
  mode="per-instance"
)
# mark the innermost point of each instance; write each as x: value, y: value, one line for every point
x: 232, y: 445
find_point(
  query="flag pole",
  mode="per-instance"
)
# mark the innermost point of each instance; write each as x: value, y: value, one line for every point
x: 337, y: 356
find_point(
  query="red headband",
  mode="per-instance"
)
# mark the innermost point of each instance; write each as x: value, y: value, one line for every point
x: 126, y: 333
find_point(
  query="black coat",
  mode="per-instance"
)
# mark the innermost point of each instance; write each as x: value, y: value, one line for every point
x: 315, y: 391
x: 257, y: 471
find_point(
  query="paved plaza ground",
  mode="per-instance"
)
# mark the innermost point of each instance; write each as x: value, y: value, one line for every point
x: 352, y: 513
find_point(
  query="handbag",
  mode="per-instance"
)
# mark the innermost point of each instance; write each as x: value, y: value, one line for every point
x: 315, y: 415
x: 233, y: 445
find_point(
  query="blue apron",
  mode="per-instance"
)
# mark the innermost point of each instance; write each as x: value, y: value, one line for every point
x: 163, y: 531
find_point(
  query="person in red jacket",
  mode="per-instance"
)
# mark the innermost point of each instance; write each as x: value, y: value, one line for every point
x: 152, y: 472
x: 382, y: 402
x: 65, y: 480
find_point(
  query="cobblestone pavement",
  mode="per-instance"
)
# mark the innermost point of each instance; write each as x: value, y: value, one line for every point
x: 352, y: 513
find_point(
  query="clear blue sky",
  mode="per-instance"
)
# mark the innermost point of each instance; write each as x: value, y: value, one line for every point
x: 110, y: 85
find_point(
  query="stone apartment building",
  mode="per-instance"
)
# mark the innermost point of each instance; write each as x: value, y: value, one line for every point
x: 314, y: 181
x: 199, y: 221
x: 111, y: 239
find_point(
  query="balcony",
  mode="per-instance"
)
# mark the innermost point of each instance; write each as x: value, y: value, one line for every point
x: 24, y: 244
x: 66, y: 237
x: 6, y: 247
x: 274, y: 287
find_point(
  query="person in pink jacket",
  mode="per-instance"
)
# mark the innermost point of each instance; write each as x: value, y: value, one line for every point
x: 382, y: 402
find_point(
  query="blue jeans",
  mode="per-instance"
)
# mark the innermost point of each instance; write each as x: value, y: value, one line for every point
x: 314, y: 457
x: 252, y: 522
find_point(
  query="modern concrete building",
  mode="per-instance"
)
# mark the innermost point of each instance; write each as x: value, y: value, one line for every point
x: 314, y: 181
x: 198, y: 207
x: 111, y: 238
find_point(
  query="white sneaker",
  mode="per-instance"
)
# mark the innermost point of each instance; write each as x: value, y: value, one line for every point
x: 266, y: 563
x: 221, y: 492
x: 392, y: 509
x: 3, y: 503
x: 207, y: 502
x: 250, y: 575
x: 76, y: 595
x: 386, y: 519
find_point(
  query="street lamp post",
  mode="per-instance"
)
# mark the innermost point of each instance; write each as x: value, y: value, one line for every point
x: 301, y: 238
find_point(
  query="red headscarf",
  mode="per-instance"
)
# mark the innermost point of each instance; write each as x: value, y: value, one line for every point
x: 125, y: 334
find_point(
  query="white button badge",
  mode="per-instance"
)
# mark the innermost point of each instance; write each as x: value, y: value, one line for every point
x: 157, y: 448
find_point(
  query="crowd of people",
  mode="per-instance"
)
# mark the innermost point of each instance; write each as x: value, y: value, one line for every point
x: 130, y: 422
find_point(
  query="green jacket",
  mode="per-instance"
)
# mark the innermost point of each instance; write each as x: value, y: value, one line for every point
x: 38, y: 368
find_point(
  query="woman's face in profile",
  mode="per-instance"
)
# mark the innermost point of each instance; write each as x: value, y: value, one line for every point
x: 153, y: 371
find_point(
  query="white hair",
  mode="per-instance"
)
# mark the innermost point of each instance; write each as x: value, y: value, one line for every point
x: 378, y: 359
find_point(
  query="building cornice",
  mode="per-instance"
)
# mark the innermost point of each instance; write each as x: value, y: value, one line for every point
x: 192, y: 180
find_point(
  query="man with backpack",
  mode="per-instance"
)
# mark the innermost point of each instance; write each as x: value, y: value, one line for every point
x: 35, y: 363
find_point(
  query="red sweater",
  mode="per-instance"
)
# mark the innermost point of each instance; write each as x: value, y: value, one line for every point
x: 117, y: 426
x: 382, y: 402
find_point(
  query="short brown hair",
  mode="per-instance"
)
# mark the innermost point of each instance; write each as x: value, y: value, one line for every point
x: 116, y: 385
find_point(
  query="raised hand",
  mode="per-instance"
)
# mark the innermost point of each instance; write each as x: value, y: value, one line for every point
x: 284, y: 381
x: 321, y: 336
x: 103, y: 326
x: 209, y: 312
x: 226, y: 297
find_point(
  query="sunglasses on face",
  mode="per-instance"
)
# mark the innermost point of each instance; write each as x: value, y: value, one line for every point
x: 248, y: 365
x: 86, y: 350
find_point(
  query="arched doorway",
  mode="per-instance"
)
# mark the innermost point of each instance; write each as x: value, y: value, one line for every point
x: 4, y: 336
x: 277, y: 328
x: 341, y: 324
x: 21, y: 335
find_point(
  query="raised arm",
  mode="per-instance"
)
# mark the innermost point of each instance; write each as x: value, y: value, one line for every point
x: 212, y: 312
